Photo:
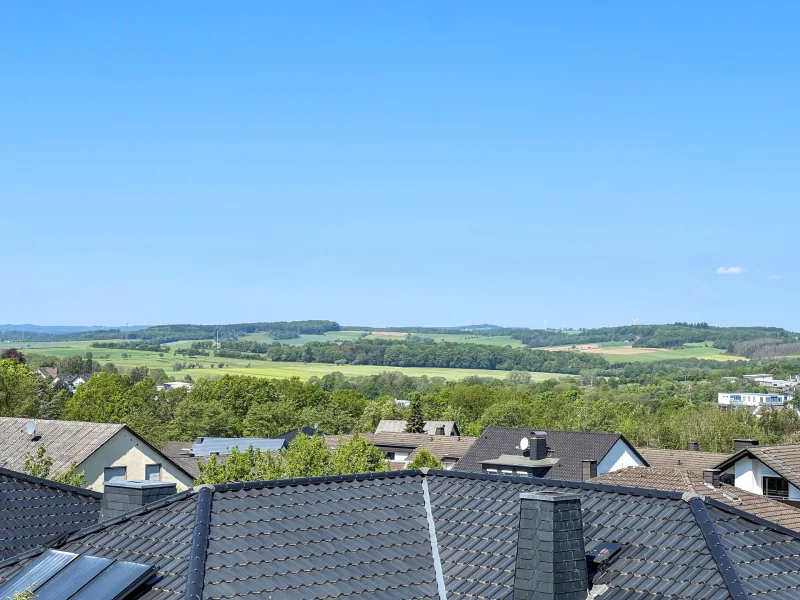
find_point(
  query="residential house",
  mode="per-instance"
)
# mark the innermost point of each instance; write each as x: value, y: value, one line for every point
x: 401, y: 449
x: 572, y: 455
x: 48, y: 372
x: 174, y: 385
x: 72, y: 381
x: 686, y: 460
x: 705, y: 483
x: 35, y: 512
x: 410, y: 535
x: 430, y: 428
x: 103, y: 450
x: 772, y: 471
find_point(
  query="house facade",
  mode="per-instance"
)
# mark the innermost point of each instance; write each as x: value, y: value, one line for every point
x: 105, y: 451
x: 772, y: 471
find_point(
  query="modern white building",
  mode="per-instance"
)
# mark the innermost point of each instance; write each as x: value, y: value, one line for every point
x: 752, y: 399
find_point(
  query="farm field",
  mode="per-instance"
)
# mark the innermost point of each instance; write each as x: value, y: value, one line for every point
x: 616, y: 352
x: 347, y: 336
x: 256, y: 369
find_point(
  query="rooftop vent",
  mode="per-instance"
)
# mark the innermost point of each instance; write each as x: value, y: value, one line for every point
x: 693, y: 446
x: 551, y: 559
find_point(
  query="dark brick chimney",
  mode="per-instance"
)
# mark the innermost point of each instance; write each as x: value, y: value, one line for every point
x: 589, y: 469
x: 537, y: 446
x: 740, y: 444
x: 694, y: 446
x: 711, y: 477
x: 551, y: 559
x: 123, y: 495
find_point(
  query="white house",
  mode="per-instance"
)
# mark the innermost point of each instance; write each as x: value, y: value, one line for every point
x: 104, y: 451
x: 766, y: 470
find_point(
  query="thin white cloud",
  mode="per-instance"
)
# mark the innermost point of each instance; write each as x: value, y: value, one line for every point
x: 730, y: 271
x: 776, y: 276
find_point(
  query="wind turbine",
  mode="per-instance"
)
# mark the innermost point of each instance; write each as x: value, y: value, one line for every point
x: 634, y: 319
x: 545, y: 324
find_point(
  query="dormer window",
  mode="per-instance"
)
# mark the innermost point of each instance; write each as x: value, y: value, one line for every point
x: 775, y: 487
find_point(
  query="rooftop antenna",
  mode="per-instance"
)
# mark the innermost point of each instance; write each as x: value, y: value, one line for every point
x: 634, y: 319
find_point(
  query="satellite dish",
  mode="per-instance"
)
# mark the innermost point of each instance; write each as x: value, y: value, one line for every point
x: 31, y: 429
x: 523, y: 443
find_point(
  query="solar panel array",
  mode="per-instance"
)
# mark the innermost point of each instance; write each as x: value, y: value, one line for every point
x: 58, y: 575
x: 222, y: 446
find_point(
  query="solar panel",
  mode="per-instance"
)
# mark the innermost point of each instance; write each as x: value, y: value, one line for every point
x: 223, y: 446
x: 116, y: 582
x: 73, y: 577
x: 37, y: 573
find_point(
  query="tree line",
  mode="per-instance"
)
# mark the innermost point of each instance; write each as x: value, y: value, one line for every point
x: 665, y: 410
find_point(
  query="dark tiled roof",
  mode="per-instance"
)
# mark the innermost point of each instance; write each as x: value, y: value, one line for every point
x: 570, y: 447
x: 678, y: 480
x: 784, y: 459
x: 370, y: 537
x: 290, y: 435
x: 175, y: 452
x: 688, y: 460
x: 399, y: 426
x: 35, y: 511
x: 441, y: 446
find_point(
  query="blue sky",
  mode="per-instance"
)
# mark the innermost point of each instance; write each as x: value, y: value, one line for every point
x: 399, y: 163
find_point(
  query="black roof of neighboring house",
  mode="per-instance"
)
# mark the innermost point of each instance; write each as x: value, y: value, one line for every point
x: 35, y: 511
x: 570, y: 447
x: 383, y: 535
x: 290, y: 435
x: 177, y: 452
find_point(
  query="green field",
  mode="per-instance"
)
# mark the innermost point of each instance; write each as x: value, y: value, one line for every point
x: 236, y: 366
x: 690, y: 351
x: 347, y: 336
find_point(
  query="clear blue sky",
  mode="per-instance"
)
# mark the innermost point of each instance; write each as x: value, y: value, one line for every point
x: 399, y: 163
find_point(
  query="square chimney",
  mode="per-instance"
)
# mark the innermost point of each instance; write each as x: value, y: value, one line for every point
x: 537, y: 445
x: 711, y: 477
x: 124, y: 495
x: 693, y: 446
x: 589, y: 469
x: 551, y: 558
x: 741, y: 444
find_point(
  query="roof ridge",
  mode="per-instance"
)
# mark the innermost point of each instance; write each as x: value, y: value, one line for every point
x: 271, y: 483
x: 753, y: 518
x: 583, y: 485
x: 195, y: 580
x: 65, y: 487
x: 725, y: 566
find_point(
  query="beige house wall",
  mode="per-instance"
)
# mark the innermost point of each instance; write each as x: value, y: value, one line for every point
x: 127, y: 450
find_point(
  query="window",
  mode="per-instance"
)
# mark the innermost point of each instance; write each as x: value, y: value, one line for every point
x: 775, y: 487
x: 728, y: 479
x: 110, y: 473
x: 390, y: 456
x: 152, y: 472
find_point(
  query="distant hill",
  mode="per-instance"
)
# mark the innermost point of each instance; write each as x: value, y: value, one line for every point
x: 63, y: 329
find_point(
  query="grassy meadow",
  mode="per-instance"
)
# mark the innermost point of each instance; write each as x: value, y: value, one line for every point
x: 236, y: 366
